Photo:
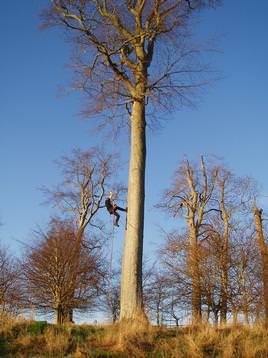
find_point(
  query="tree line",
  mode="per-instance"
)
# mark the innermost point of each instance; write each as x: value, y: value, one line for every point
x: 212, y: 267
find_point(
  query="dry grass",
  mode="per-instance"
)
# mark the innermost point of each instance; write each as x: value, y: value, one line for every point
x: 35, y: 339
x: 56, y: 343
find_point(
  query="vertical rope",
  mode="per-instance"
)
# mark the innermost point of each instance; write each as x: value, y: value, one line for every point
x: 111, y: 253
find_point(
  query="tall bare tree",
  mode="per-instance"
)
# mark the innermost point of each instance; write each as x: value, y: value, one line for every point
x: 234, y: 196
x: 10, y: 291
x: 189, y: 198
x: 210, y: 275
x: 264, y: 256
x: 87, y: 176
x: 121, y: 43
x: 225, y: 246
x: 244, y: 274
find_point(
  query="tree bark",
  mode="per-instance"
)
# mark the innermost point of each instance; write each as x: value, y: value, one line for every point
x: 131, y: 306
x: 195, y: 277
x: 224, y: 256
x: 59, y: 314
x: 216, y: 318
x: 245, y: 300
x: 235, y: 316
x: 67, y: 312
x: 157, y: 316
x: 224, y: 268
x: 264, y: 257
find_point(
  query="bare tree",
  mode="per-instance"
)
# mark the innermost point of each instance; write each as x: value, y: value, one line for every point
x: 234, y: 195
x: 210, y: 269
x: 10, y: 291
x: 173, y: 256
x: 225, y: 246
x: 264, y: 256
x: 243, y: 275
x: 87, y: 176
x: 55, y: 279
x: 111, y: 295
x: 189, y: 198
x: 155, y: 295
x: 120, y: 43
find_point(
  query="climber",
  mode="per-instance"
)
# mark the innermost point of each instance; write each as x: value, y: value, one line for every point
x: 112, y: 208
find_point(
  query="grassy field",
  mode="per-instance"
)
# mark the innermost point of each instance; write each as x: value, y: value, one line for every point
x: 39, y: 339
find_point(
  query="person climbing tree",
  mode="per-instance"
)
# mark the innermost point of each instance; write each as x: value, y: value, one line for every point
x: 112, y: 208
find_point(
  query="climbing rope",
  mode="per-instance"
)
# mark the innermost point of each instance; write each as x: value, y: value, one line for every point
x: 111, y: 253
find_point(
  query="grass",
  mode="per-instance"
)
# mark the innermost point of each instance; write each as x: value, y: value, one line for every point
x: 39, y: 339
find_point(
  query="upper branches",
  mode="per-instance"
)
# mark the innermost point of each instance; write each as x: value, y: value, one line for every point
x: 191, y: 192
x: 86, y: 175
x: 118, y: 41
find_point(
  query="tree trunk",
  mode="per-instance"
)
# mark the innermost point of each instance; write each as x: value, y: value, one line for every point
x: 235, y: 316
x: 68, y: 311
x: 224, y: 258
x: 224, y: 283
x: 114, y: 317
x: 157, y: 316
x: 264, y: 257
x: 59, y: 314
x: 257, y: 313
x: 208, y: 313
x: 195, y: 277
x: 131, y: 306
x: 216, y: 318
x: 245, y: 305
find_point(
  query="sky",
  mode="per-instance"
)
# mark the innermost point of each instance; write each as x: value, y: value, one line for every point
x: 38, y: 125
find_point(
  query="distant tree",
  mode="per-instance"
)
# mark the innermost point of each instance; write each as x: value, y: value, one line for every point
x: 233, y: 196
x: 130, y: 52
x: 190, y: 198
x: 10, y: 285
x: 111, y: 295
x: 244, y: 273
x: 264, y: 256
x: 222, y: 182
x: 210, y: 270
x: 173, y: 256
x: 173, y: 307
x: 155, y: 295
x: 56, y: 277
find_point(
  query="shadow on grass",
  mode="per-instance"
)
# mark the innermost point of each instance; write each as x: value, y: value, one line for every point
x: 3, y: 346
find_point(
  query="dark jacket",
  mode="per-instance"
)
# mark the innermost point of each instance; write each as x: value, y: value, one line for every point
x: 109, y: 205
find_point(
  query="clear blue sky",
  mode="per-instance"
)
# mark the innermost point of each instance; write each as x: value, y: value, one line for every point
x: 37, y: 127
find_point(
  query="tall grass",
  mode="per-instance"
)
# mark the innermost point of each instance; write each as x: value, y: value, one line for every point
x: 39, y: 339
